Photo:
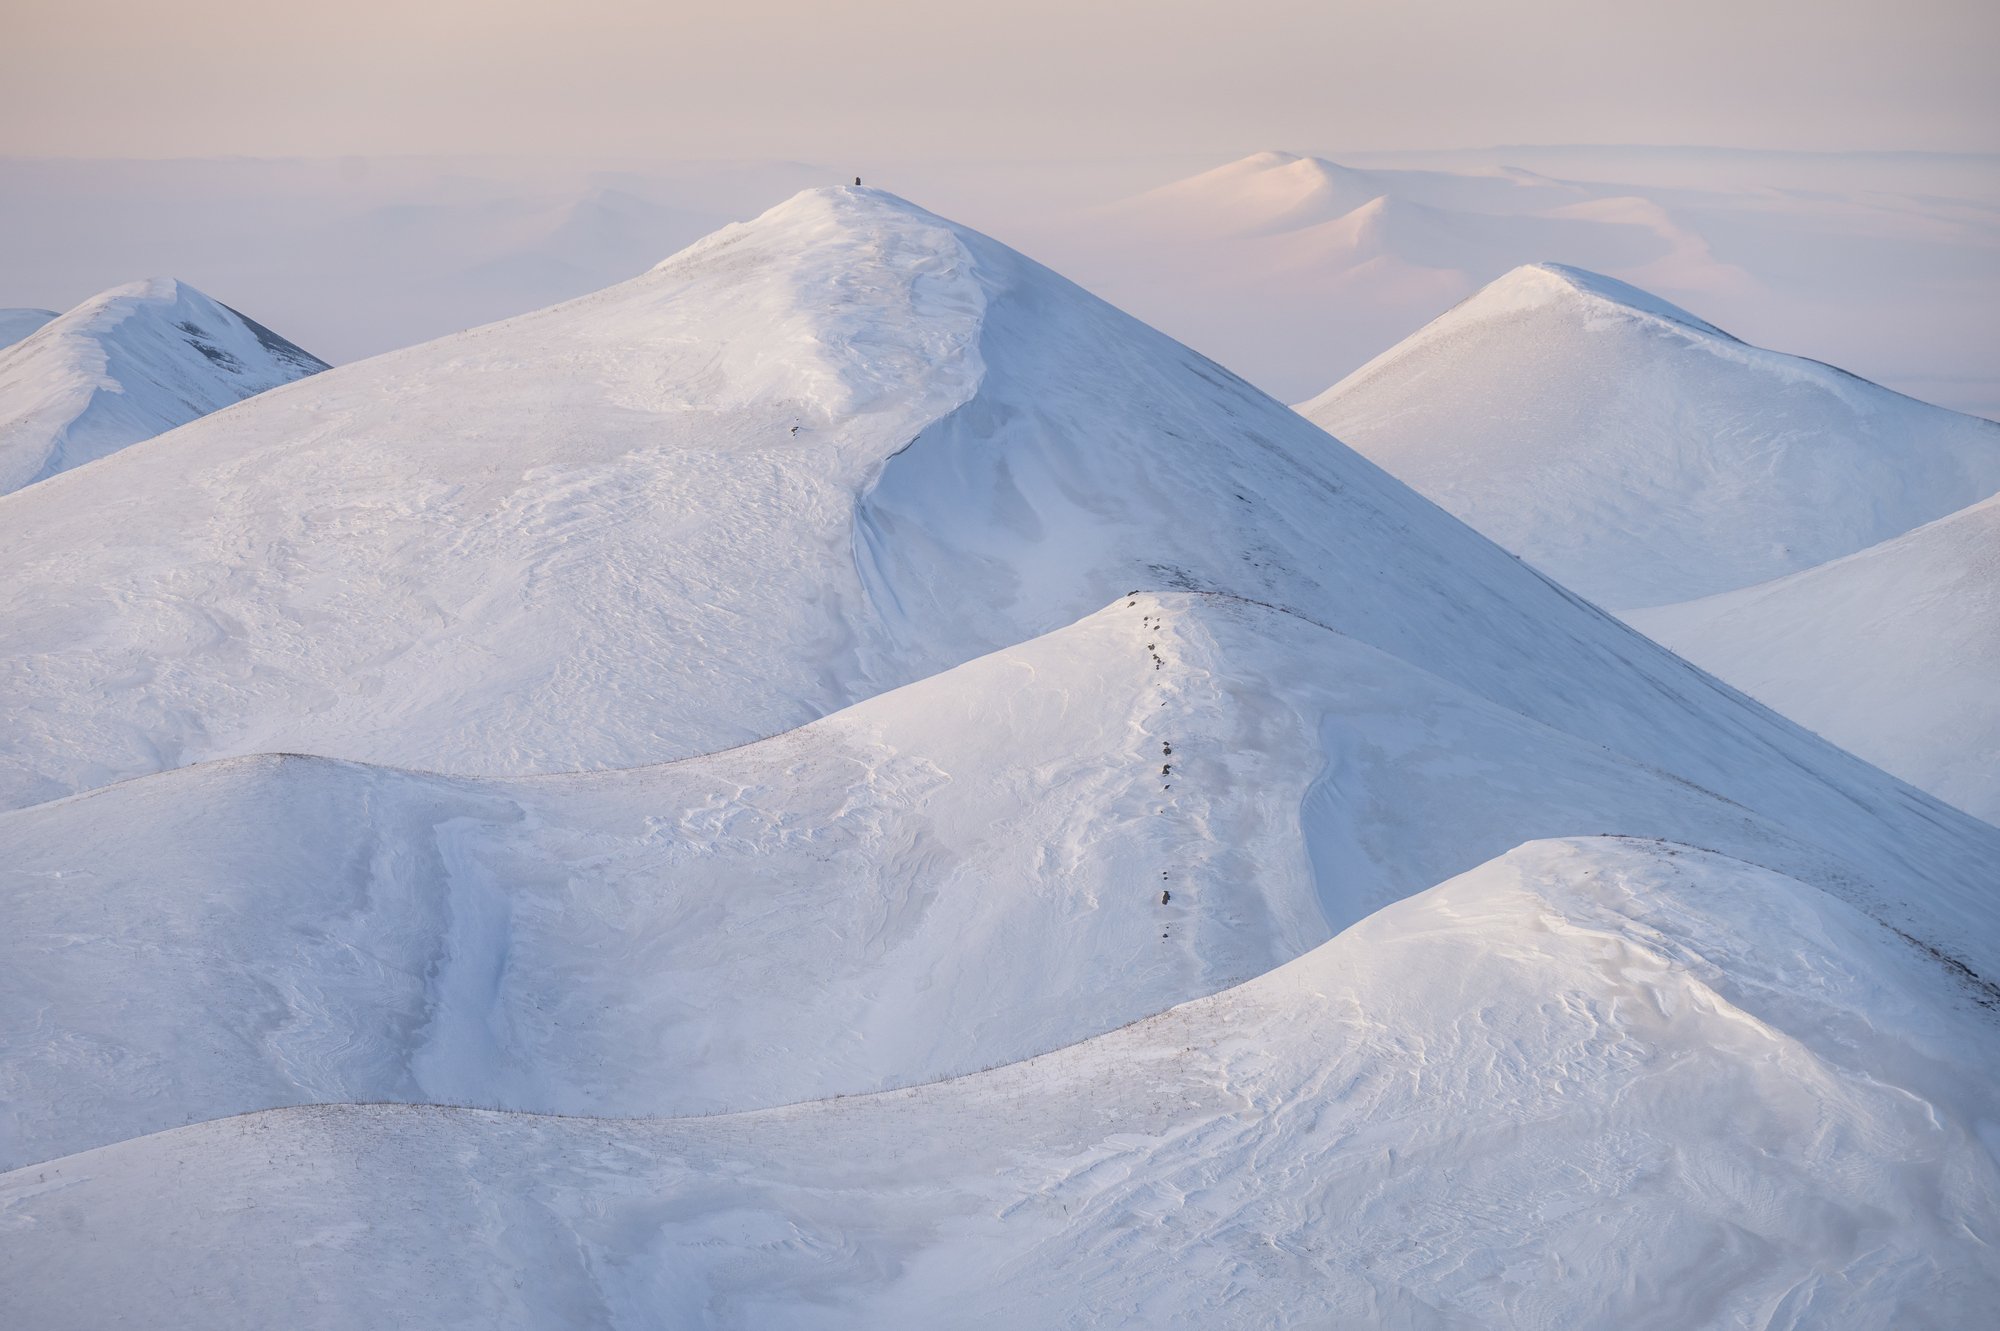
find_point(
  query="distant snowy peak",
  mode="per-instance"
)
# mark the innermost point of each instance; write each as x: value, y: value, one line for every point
x: 127, y: 364
x: 1276, y: 192
x: 1639, y: 454
x: 1586, y: 301
x: 1543, y: 284
x: 16, y: 324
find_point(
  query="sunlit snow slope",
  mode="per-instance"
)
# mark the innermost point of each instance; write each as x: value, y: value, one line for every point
x: 1893, y: 653
x: 1061, y: 940
x: 590, y: 537
x: 124, y: 366
x: 1592, y: 1083
x: 1165, y: 799
x: 1641, y: 456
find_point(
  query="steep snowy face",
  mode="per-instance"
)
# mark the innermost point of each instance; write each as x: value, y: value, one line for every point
x: 124, y: 366
x: 1168, y: 798
x: 1642, y: 456
x: 1596, y: 1082
x: 1890, y: 653
x: 16, y: 324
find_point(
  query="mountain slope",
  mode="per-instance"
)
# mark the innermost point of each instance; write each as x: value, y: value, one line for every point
x: 1889, y: 653
x: 124, y: 366
x: 850, y: 487
x: 1642, y: 456
x: 1594, y: 1082
x: 960, y: 873
x: 963, y: 872
x: 590, y: 538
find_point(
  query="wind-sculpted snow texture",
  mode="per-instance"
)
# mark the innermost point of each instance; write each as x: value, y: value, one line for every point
x: 1593, y: 1083
x: 708, y: 734
x: 124, y: 366
x: 1641, y: 456
x: 1168, y: 798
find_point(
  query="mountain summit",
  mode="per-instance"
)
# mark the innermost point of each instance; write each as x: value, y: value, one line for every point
x: 128, y: 364
x: 1639, y: 454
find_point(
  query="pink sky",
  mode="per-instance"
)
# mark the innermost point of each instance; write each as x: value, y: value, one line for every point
x: 1030, y: 77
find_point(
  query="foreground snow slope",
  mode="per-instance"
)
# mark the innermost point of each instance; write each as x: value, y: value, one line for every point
x: 959, y: 873
x: 1593, y: 1083
x: 1892, y: 653
x: 1641, y: 456
x: 124, y: 366
x: 18, y: 322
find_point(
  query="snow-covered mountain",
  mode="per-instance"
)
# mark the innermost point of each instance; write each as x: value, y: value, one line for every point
x: 128, y: 364
x: 813, y: 458
x: 866, y: 495
x: 1273, y: 192
x: 1170, y: 797
x: 16, y: 324
x: 1892, y: 653
x: 1820, y: 542
x: 1640, y: 455
x: 1288, y: 266
x: 1295, y: 270
x: 1596, y: 1082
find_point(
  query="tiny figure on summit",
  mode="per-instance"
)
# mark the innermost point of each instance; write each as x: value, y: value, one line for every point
x: 857, y: 180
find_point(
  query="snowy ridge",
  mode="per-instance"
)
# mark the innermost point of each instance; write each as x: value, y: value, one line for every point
x: 1168, y: 798
x: 552, y: 544
x: 128, y: 364
x: 732, y: 728
x: 634, y: 528
x: 1888, y: 652
x: 1593, y: 1080
x: 1642, y: 456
